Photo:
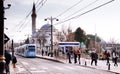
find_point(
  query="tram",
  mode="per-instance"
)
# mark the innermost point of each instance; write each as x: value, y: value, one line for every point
x: 26, y: 50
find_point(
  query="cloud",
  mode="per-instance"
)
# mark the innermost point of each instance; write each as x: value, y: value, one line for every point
x: 23, y: 2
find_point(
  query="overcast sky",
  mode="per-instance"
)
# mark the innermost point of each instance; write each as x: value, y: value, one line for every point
x: 104, y: 21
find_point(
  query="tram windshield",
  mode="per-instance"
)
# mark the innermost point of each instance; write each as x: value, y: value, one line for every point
x: 31, y: 48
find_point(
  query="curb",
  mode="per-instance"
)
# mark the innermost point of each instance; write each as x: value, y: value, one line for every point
x: 55, y: 60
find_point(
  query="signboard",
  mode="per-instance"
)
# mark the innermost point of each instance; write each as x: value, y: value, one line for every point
x: 6, y: 38
x: 69, y: 44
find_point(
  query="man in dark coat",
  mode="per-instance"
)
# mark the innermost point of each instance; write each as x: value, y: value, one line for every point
x: 69, y: 56
x: 7, y: 60
x: 107, y: 57
x: 94, y: 57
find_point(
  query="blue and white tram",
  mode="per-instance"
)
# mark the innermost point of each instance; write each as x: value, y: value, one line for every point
x: 27, y: 50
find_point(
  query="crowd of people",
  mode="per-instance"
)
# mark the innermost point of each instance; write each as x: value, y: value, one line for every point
x: 76, y: 54
x: 71, y: 52
x: 110, y: 55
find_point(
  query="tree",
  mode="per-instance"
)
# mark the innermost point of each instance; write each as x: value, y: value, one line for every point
x: 92, y: 38
x: 90, y: 43
x: 80, y: 35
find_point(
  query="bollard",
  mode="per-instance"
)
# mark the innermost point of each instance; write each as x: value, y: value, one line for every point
x: 85, y: 63
x: 109, y: 66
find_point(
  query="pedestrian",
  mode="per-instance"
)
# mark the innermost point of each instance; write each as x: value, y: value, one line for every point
x: 79, y: 55
x: 107, y: 57
x: 42, y: 52
x: 7, y: 61
x: 115, y: 57
x: 55, y: 53
x: 14, y: 61
x: 94, y: 57
x: 46, y: 52
x: 75, y: 56
x: 69, y: 54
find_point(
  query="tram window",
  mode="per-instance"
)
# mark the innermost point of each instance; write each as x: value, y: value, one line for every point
x: 31, y: 48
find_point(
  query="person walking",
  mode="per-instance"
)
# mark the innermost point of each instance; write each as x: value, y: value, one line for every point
x: 115, y: 57
x: 75, y: 56
x: 69, y: 53
x: 94, y: 57
x: 69, y: 56
x: 42, y: 52
x: 46, y: 52
x: 107, y: 57
x: 79, y: 55
x: 14, y: 61
x: 7, y: 60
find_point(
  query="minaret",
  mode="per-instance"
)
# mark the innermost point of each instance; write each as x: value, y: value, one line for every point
x: 33, y: 15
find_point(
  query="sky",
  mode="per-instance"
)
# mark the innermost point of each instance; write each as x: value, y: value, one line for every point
x: 103, y: 21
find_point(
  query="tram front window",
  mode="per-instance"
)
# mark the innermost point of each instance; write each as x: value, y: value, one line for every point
x: 31, y: 48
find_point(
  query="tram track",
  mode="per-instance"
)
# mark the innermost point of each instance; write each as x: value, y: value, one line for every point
x: 29, y: 66
x: 26, y: 69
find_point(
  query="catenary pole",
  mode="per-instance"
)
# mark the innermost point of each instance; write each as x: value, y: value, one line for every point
x: 2, y: 58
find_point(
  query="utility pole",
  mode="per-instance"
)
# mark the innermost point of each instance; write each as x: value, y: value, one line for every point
x: 51, y: 20
x: 2, y: 58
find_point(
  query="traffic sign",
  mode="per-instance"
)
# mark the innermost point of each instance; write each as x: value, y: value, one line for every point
x: 6, y: 38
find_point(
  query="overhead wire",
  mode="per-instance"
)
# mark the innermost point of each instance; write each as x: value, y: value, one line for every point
x: 81, y: 9
x: 84, y: 12
x: 25, y: 23
x: 38, y: 6
x: 69, y: 8
x: 39, y: 3
x: 22, y: 23
x: 24, y: 20
x: 27, y: 16
x: 42, y: 3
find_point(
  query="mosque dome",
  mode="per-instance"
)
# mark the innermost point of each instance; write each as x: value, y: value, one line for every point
x: 47, y: 27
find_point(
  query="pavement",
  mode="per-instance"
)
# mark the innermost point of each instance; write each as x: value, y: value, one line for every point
x: 84, y: 62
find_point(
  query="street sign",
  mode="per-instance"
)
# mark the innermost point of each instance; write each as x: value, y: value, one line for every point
x: 6, y: 38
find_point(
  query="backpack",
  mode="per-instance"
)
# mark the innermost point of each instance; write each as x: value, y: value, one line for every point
x: 78, y: 51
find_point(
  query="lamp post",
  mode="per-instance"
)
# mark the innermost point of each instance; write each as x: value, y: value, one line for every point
x: 51, y: 20
x: 2, y: 58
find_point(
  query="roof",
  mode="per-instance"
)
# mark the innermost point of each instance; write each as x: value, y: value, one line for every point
x: 46, y: 27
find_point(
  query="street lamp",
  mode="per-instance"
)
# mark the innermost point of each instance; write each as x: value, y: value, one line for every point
x: 51, y: 20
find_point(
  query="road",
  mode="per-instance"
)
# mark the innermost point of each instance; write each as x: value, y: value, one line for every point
x: 42, y: 66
